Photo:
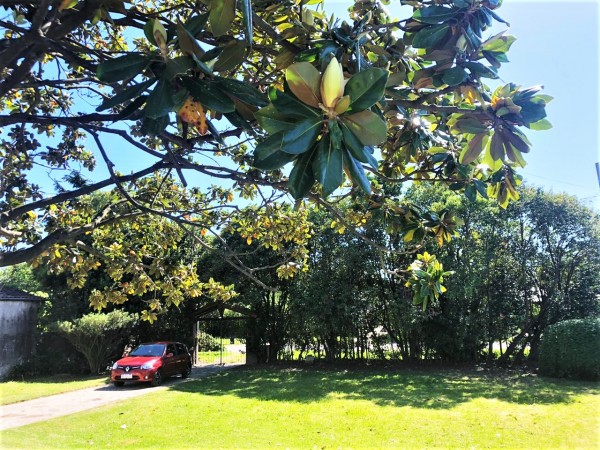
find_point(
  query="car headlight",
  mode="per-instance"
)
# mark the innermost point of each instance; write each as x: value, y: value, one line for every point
x: 147, y: 366
x: 114, y: 366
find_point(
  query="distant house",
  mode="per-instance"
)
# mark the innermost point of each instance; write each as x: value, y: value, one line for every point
x: 18, y: 317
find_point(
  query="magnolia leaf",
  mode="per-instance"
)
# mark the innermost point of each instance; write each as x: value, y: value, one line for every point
x: 121, y: 68
x: 366, y: 88
x: 357, y: 173
x: 222, y: 13
x: 327, y: 164
x: 540, y: 125
x: 272, y: 120
x: 209, y: 94
x: 367, y: 126
x: 132, y: 91
x: 160, y: 101
x: 435, y: 14
x: 430, y: 36
x: 246, y: 6
x: 473, y: 148
x: 302, y: 177
x: 231, y: 56
x: 356, y: 148
x: 454, y: 76
x: 497, y: 147
x: 192, y: 112
x: 304, y: 81
x: 289, y: 106
x: 302, y: 137
x: 268, y: 154
x: 242, y: 91
x: 187, y: 42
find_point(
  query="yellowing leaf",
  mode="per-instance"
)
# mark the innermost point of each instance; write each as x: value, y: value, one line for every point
x: 192, y: 112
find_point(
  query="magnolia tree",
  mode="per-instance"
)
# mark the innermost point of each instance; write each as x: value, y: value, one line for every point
x: 271, y: 103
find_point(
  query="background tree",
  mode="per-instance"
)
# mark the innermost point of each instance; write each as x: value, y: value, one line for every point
x: 234, y: 92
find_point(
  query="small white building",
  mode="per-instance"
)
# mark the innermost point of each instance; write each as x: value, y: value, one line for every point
x: 18, y: 317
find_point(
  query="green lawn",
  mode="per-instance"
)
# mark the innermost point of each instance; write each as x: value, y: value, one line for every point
x: 310, y: 408
x: 18, y: 391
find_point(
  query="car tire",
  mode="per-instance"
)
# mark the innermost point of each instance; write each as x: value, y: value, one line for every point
x: 186, y: 373
x: 158, y: 378
x: 118, y: 383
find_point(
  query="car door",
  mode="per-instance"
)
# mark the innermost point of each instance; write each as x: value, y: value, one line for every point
x: 170, y: 360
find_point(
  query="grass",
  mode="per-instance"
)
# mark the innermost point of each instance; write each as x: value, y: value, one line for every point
x: 309, y: 408
x: 18, y: 391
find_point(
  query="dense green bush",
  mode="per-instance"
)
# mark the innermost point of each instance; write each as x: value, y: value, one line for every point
x: 570, y: 349
x: 97, y: 336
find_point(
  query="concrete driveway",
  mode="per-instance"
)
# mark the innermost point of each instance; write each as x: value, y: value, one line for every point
x: 45, y: 408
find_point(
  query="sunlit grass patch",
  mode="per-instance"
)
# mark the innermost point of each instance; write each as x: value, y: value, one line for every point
x: 18, y: 391
x: 269, y: 408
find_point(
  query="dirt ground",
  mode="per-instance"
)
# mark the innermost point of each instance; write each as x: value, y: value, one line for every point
x: 45, y: 408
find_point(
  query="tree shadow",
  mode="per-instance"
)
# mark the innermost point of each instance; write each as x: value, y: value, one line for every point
x: 418, y: 388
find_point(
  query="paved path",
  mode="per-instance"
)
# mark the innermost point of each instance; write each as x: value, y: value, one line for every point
x: 45, y: 408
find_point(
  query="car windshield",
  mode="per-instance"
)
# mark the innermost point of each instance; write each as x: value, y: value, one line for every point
x: 148, y: 350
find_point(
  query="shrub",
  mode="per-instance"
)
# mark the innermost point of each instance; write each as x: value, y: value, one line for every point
x: 570, y: 349
x: 97, y: 335
x: 208, y: 343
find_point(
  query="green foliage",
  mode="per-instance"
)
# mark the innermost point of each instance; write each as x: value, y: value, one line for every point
x: 97, y: 336
x: 570, y: 349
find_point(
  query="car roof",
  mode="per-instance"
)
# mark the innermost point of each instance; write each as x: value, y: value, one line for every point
x: 160, y: 342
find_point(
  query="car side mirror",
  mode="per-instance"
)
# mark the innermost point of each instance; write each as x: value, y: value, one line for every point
x: 169, y: 355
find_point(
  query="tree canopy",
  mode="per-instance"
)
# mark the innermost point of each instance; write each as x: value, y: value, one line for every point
x: 212, y: 116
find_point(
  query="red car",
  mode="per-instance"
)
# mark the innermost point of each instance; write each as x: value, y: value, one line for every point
x: 152, y: 363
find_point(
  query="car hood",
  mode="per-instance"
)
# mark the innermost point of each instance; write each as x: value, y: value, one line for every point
x: 136, y: 360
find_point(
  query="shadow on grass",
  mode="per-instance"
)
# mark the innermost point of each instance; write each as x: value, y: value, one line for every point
x: 423, y: 389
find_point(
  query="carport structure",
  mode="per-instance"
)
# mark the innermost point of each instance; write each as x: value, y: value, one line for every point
x: 214, y: 313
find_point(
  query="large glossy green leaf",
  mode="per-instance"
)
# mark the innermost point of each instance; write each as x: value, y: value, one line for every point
x: 540, y: 125
x: 272, y: 120
x: 473, y: 149
x: 304, y: 81
x: 366, y: 88
x: 231, y: 56
x: 327, y: 164
x: 155, y: 126
x: 222, y: 13
x: 497, y: 147
x: 160, y: 101
x: 357, y: 173
x: 209, y: 94
x: 367, y: 126
x: 121, y: 68
x: 435, y: 14
x: 356, y: 148
x: 302, y: 177
x: 430, y: 36
x: 454, y: 76
x: 131, y: 92
x: 268, y: 154
x: 289, y: 106
x: 177, y: 66
x: 242, y: 91
x: 303, y: 136
x: 500, y: 43
x: 246, y: 7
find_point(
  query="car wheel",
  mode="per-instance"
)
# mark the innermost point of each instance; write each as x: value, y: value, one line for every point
x: 157, y: 380
x: 118, y: 383
x: 186, y: 372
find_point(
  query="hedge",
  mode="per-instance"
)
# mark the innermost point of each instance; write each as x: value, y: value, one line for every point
x: 572, y: 349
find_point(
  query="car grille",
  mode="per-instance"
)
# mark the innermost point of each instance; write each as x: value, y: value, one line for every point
x: 130, y: 368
